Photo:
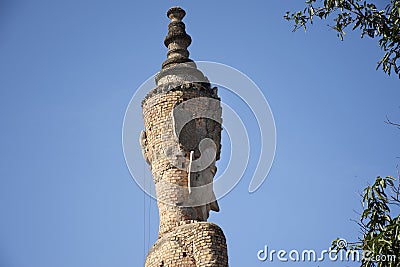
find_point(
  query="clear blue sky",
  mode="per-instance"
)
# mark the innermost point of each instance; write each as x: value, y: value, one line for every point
x: 68, y: 70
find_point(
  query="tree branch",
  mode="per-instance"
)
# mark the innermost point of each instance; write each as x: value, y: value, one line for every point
x: 391, y: 123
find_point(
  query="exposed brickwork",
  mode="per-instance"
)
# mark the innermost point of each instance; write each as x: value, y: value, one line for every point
x: 170, y: 181
x: 195, y: 244
x: 185, y: 238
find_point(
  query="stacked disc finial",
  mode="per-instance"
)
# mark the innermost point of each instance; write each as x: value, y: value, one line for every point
x: 177, y: 40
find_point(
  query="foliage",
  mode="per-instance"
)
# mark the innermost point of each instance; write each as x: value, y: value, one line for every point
x: 380, y: 229
x: 383, y: 24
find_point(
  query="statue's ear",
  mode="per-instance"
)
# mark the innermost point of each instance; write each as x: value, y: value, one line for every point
x: 143, y: 145
x: 142, y: 140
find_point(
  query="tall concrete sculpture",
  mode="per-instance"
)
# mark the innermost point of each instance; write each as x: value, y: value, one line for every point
x: 181, y: 143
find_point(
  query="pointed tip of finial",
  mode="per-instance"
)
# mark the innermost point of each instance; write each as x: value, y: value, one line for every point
x: 176, y: 13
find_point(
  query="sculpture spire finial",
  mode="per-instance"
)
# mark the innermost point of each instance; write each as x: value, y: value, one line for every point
x: 177, y: 40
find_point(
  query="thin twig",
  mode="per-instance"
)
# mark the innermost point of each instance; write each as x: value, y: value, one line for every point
x: 388, y: 121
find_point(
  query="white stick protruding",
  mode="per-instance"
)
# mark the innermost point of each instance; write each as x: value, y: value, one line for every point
x: 189, y: 170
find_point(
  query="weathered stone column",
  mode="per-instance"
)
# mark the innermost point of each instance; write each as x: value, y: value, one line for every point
x: 181, y: 143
